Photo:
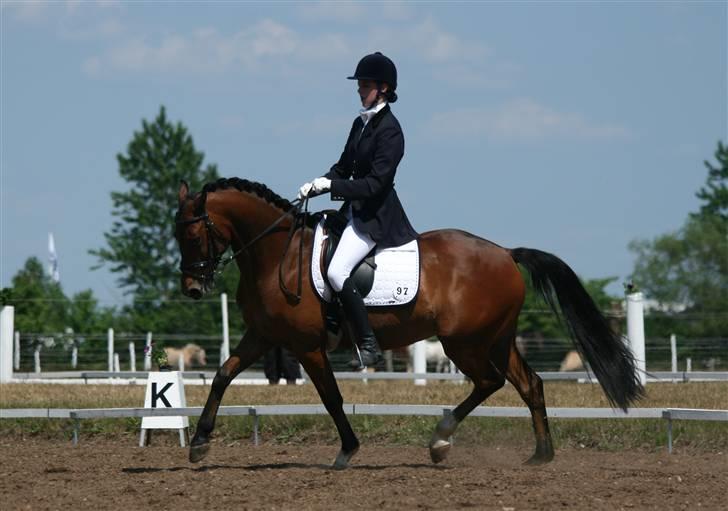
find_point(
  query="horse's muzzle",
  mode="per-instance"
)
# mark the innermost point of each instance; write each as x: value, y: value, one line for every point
x: 192, y: 288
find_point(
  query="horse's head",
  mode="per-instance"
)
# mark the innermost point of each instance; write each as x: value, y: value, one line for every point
x: 201, y: 243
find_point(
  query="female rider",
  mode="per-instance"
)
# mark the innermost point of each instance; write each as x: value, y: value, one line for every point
x: 364, y: 178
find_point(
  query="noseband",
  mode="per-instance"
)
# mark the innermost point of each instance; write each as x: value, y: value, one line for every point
x: 203, y: 270
x: 206, y: 270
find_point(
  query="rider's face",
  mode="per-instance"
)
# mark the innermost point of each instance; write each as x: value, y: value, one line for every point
x: 368, y: 92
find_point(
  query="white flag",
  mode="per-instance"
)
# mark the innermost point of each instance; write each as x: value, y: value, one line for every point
x: 53, y: 267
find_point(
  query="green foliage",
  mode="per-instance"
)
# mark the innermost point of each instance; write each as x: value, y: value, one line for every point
x: 40, y: 305
x: 715, y: 192
x: 141, y: 247
x: 688, y: 268
x: 42, y: 308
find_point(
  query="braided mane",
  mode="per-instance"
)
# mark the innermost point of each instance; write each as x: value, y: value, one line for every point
x: 244, y: 185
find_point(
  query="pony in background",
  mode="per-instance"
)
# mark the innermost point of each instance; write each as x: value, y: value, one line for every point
x: 191, y: 354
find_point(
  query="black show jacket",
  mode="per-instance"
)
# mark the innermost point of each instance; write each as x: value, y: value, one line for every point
x: 370, y: 158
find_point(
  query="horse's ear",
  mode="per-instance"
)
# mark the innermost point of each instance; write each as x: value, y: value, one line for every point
x: 184, y: 190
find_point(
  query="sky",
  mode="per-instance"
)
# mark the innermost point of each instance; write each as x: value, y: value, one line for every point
x: 571, y: 127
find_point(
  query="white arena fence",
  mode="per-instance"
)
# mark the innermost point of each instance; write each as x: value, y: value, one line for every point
x: 253, y: 378
x: 257, y: 411
x: 42, y: 352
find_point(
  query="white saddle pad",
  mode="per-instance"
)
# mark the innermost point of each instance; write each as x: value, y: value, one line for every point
x: 396, y: 278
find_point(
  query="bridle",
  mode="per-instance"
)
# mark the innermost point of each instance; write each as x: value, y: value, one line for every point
x: 206, y: 270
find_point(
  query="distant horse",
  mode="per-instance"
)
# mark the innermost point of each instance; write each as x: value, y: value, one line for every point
x: 572, y: 362
x: 470, y: 295
x: 189, y: 354
x: 434, y: 354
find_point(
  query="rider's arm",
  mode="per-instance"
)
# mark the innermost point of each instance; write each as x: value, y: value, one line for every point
x: 343, y: 168
x: 388, y: 153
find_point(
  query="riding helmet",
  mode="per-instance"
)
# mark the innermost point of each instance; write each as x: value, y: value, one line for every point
x: 377, y: 67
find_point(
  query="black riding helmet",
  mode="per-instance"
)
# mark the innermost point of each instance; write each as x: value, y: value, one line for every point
x: 378, y: 68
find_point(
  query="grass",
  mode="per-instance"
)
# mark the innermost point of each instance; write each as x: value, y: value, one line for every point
x: 601, y: 434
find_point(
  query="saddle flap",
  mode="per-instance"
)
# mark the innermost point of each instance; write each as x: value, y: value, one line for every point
x: 395, y: 281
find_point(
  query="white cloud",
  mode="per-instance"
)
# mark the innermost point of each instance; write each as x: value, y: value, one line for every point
x: 519, y: 119
x: 72, y: 19
x: 207, y: 50
x: 27, y: 11
x: 318, y: 125
x: 428, y: 41
x: 102, y: 29
x: 352, y: 12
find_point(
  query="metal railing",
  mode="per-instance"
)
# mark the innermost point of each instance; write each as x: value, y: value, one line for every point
x: 257, y: 411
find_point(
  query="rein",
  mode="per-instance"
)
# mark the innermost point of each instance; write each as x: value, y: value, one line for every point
x: 209, y: 266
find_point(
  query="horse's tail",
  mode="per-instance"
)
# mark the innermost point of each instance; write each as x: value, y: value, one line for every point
x: 608, y: 355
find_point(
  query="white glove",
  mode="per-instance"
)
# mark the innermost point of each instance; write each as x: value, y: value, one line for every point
x: 321, y: 185
x: 316, y: 187
x: 304, y: 191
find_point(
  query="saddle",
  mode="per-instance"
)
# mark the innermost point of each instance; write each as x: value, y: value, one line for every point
x: 363, y: 273
x: 395, y: 281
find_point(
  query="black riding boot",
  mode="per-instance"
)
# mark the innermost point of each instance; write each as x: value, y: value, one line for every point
x: 356, y: 314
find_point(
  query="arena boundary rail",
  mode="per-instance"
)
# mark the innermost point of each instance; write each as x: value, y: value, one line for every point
x: 203, y: 377
x: 257, y: 411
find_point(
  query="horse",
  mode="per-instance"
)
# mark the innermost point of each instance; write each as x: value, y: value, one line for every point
x: 189, y: 354
x: 434, y: 354
x: 572, y: 362
x: 470, y: 295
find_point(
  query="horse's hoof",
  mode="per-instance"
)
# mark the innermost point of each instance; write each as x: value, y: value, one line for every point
x: 539, y: 459
x: 439, y: 449
x: 342, y: 459
x: 197, y: 452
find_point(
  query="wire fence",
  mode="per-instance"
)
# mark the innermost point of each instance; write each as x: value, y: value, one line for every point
x: 56, y: 352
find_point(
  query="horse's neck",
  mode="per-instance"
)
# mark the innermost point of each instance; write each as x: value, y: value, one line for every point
x: 246, y: 214
x: 249, y: 216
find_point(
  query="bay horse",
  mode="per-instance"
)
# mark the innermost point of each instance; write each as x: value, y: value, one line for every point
x: 471, y: 292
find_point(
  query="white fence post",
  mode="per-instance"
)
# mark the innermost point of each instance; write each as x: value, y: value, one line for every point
x: 419, y: 362
x: 689, y: 365
x: 673, y: 352
x: 110, y: 349
x: 225, y: 348
x: 117, y: 367
x: 148, y: 353
x: 636, y: 333
x: 7, y: 325
x: 16, y: 352
x: 132, y: 357
x: 74, y: 357
x: 36, y: 358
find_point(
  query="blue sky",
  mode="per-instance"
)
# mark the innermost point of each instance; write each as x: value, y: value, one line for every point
x: 572, y: 127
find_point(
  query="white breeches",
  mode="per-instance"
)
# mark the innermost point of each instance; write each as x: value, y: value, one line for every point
x: 353, y: 247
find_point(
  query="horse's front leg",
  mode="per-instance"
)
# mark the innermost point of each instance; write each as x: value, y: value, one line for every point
x: 249, y: 349
x: 316, y: 364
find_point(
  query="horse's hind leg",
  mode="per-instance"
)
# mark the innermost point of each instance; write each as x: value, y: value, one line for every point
x: 316, y: 364
x: 250, y: 349
x: 530, y: 386
x: 486, y: 370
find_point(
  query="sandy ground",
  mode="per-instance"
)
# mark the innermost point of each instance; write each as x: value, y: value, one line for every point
x: 101, y: 474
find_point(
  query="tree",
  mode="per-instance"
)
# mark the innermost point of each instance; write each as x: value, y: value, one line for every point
x: 688, y: 268
x: 40, y: 305
x: 715, y: 192
x: 141, y: 245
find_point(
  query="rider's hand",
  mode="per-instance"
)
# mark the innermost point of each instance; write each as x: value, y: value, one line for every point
x: 321, y: 185
x: 304, y: 191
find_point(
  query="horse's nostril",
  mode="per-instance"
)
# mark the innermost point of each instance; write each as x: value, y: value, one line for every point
x: 195, y: 294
